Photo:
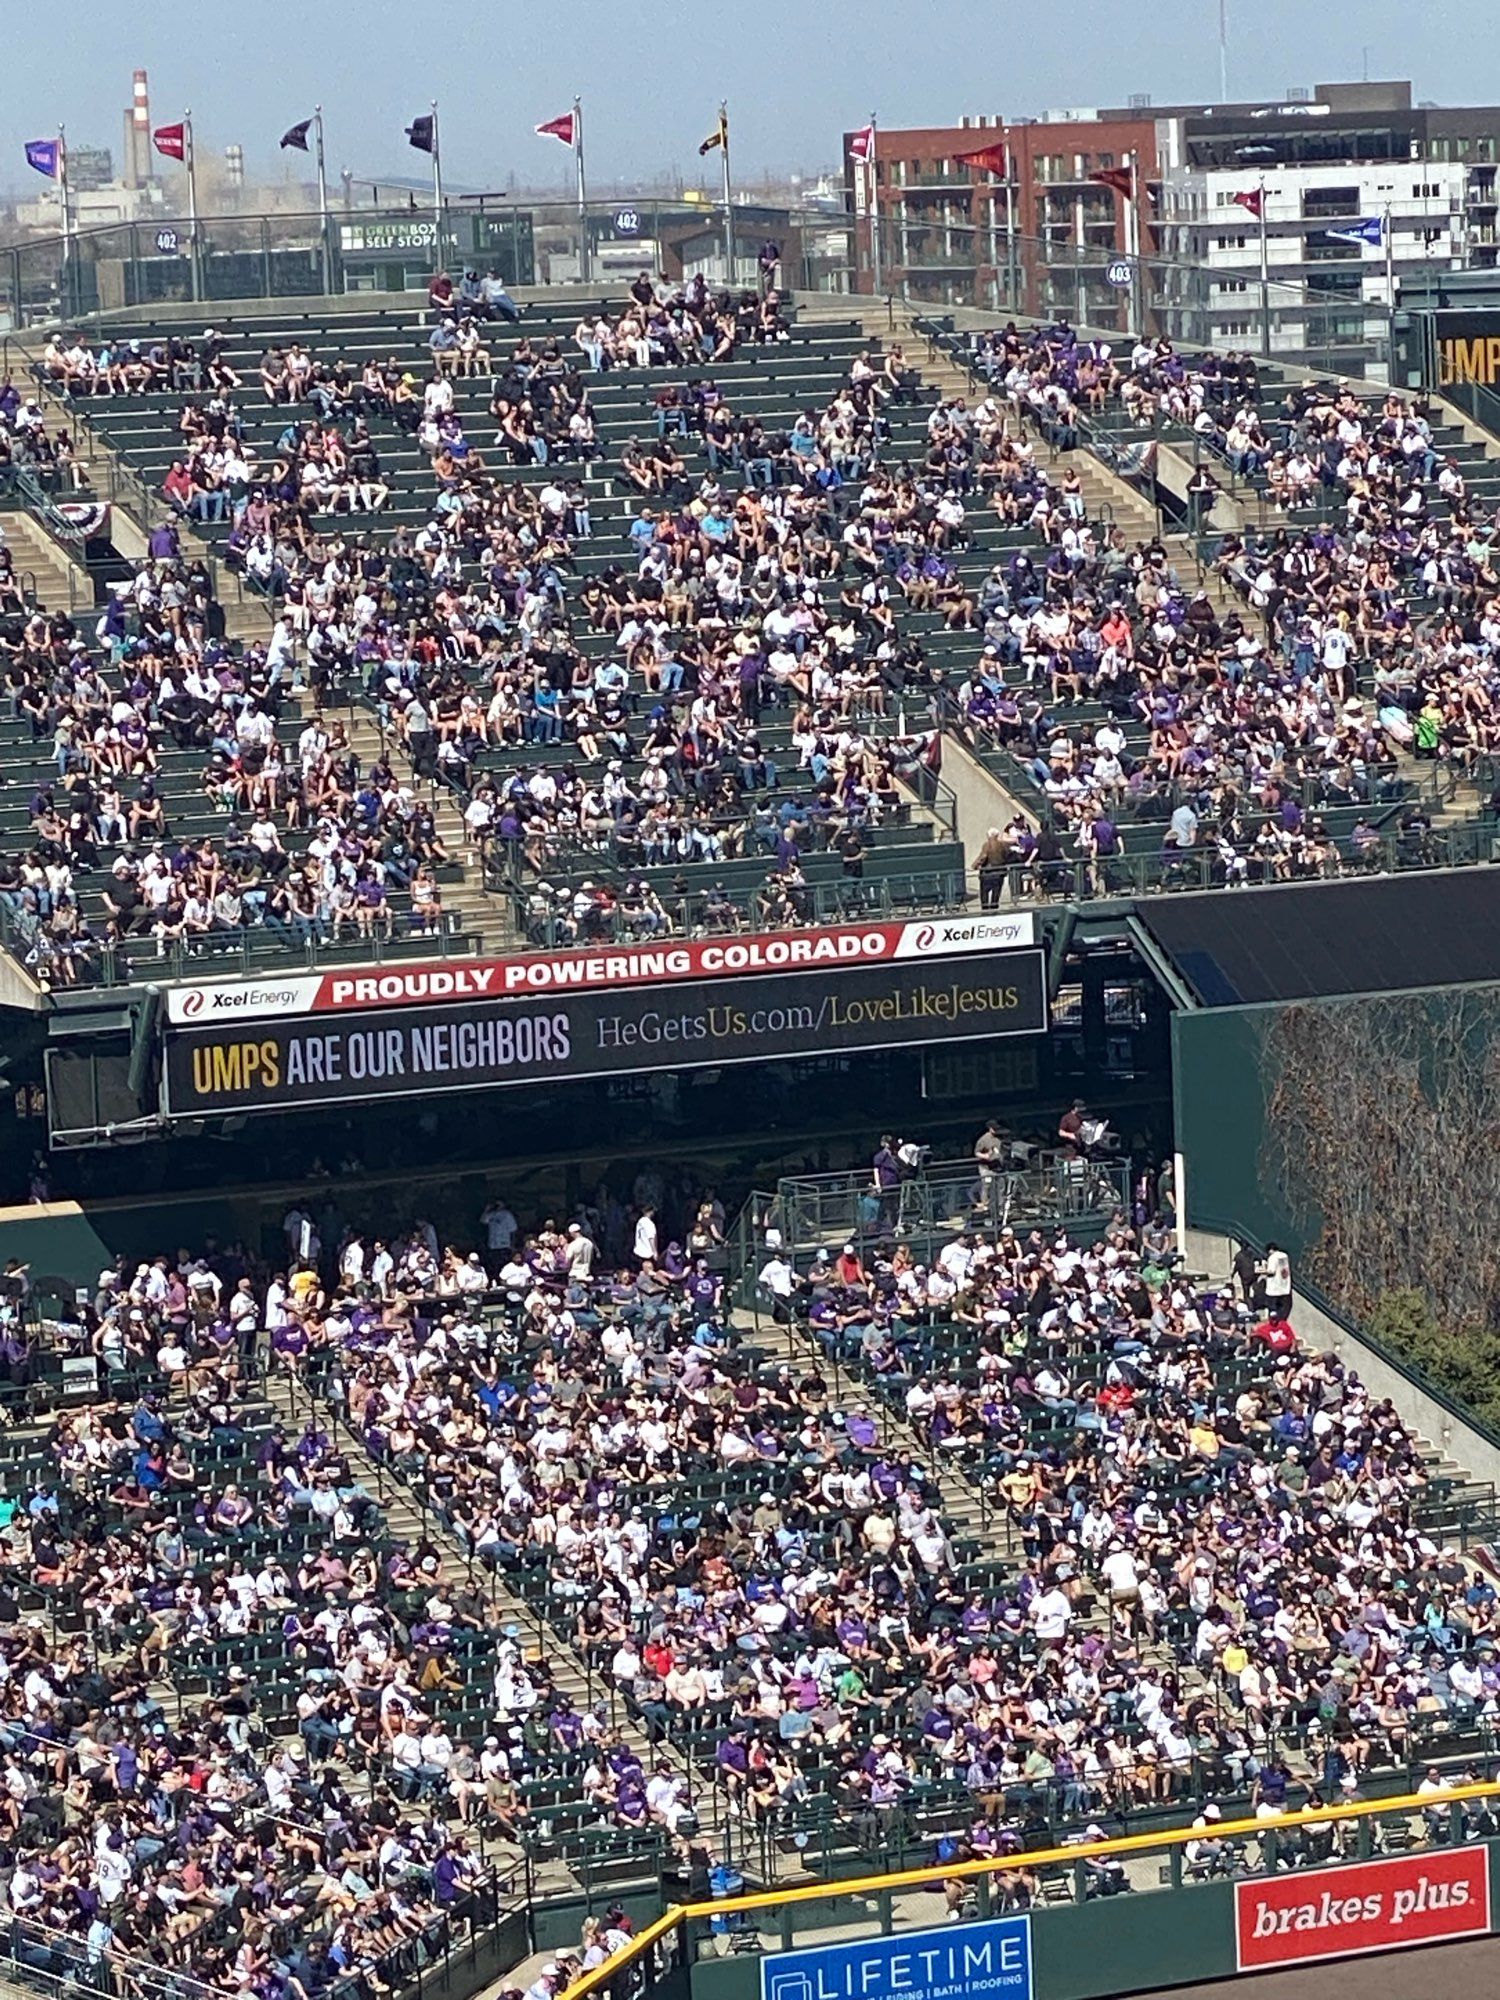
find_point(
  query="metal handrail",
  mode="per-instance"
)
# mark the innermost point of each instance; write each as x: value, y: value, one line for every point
x: 124, y: 486
x: 672, y: 1927
x: 935, y: 892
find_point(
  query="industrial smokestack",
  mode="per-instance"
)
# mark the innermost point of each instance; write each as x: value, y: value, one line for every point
x: 138, y: 133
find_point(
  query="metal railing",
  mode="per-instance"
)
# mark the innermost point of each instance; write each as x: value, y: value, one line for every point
x: 941, y: 1198
x: 284, y: 256
x: 774, y: 1919
x: 934, y: 892
x: 1479, y: 404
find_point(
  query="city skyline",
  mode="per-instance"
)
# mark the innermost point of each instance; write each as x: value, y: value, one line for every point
x: 650, y: 83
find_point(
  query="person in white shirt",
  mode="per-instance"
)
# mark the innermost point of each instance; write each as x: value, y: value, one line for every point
x: 406, y: 1759
x: 645, y: 1235
x: 779, y: 1279
x: 579, y: 1251
x: 1122, y: 1580
x: 1051, y: 1614
x: 1435, y: 1816
x: 1277, y: 1272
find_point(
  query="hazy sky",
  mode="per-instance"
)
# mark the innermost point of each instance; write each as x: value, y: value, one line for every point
x: 796, y: 72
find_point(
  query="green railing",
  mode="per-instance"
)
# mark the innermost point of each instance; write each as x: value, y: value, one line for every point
x: 249, y: 950
x: 395, y: 244
x: 814, y: 1211
x: 546, y: 927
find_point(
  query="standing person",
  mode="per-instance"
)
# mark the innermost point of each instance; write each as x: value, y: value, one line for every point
x: 499, y: 1224
x: 645, y: 1235
x: 1277, y: 1273
x: 1246, y: 1273
x: 992, y: 861
x: 886, y: 1169
x: 991, y: 1149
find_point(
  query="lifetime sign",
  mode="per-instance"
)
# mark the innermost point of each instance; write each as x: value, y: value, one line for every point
x: 980, y: 1961
x: 266, y: 1065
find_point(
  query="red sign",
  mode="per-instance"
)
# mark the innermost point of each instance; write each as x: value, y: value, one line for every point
x: 828, y: 949
x: 1309, y: 1914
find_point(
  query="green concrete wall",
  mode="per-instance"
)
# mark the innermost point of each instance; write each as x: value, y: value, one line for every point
x: 1220, y: 1088
x: 1124, y: 1944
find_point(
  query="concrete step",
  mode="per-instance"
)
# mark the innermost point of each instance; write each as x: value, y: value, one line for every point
x: 956, y: 1496
x: 62, y: 584
x: 408, y: 1521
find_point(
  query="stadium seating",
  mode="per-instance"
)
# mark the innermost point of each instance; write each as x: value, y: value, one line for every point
x: 776, y: 384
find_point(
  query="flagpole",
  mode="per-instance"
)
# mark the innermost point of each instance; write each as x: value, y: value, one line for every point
x: 585, y: 261
x: 1390, y: 298
x: 728, y: 193
x: 1223, y: 51
x: 440, y: 261
x: 873, y: 186
x: 1133, y: 244
x: 195, y: 264
x: 1265, y: 275
x: 323, y: 203
x: 1012, y: 271
x: 67, y: 220
x: 1390, y: 258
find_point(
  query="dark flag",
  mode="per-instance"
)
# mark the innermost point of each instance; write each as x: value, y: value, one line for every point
x: 988, y: 160
x: 419, y: 133
x: 297, y: 136
x: 558, y: 128
x: 1121, y: 179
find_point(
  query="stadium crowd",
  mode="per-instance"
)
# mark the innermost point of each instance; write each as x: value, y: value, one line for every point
x: 1220, y: 1580
x: 273, y: 1829
x: 1363, y: 636
x: 794, y: 573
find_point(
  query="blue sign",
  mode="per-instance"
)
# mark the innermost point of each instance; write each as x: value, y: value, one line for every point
x: 1120, y: 273
x: 979, y: 1961
x: 627, y: 222
x: 166, y: 242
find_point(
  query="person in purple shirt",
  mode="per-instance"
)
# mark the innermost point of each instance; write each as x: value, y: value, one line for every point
x: 862, y: 1430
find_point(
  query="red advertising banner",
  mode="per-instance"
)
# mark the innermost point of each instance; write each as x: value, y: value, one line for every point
x: 1296, y: 1918
x: 823, y: 948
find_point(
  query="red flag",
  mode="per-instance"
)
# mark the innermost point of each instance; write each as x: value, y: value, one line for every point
x: 558, y: 128
x: 1121, y: 179
x: 862, y: 143
x: 989, y: 159
x: 1254, y: 199
x: 171, y: 141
